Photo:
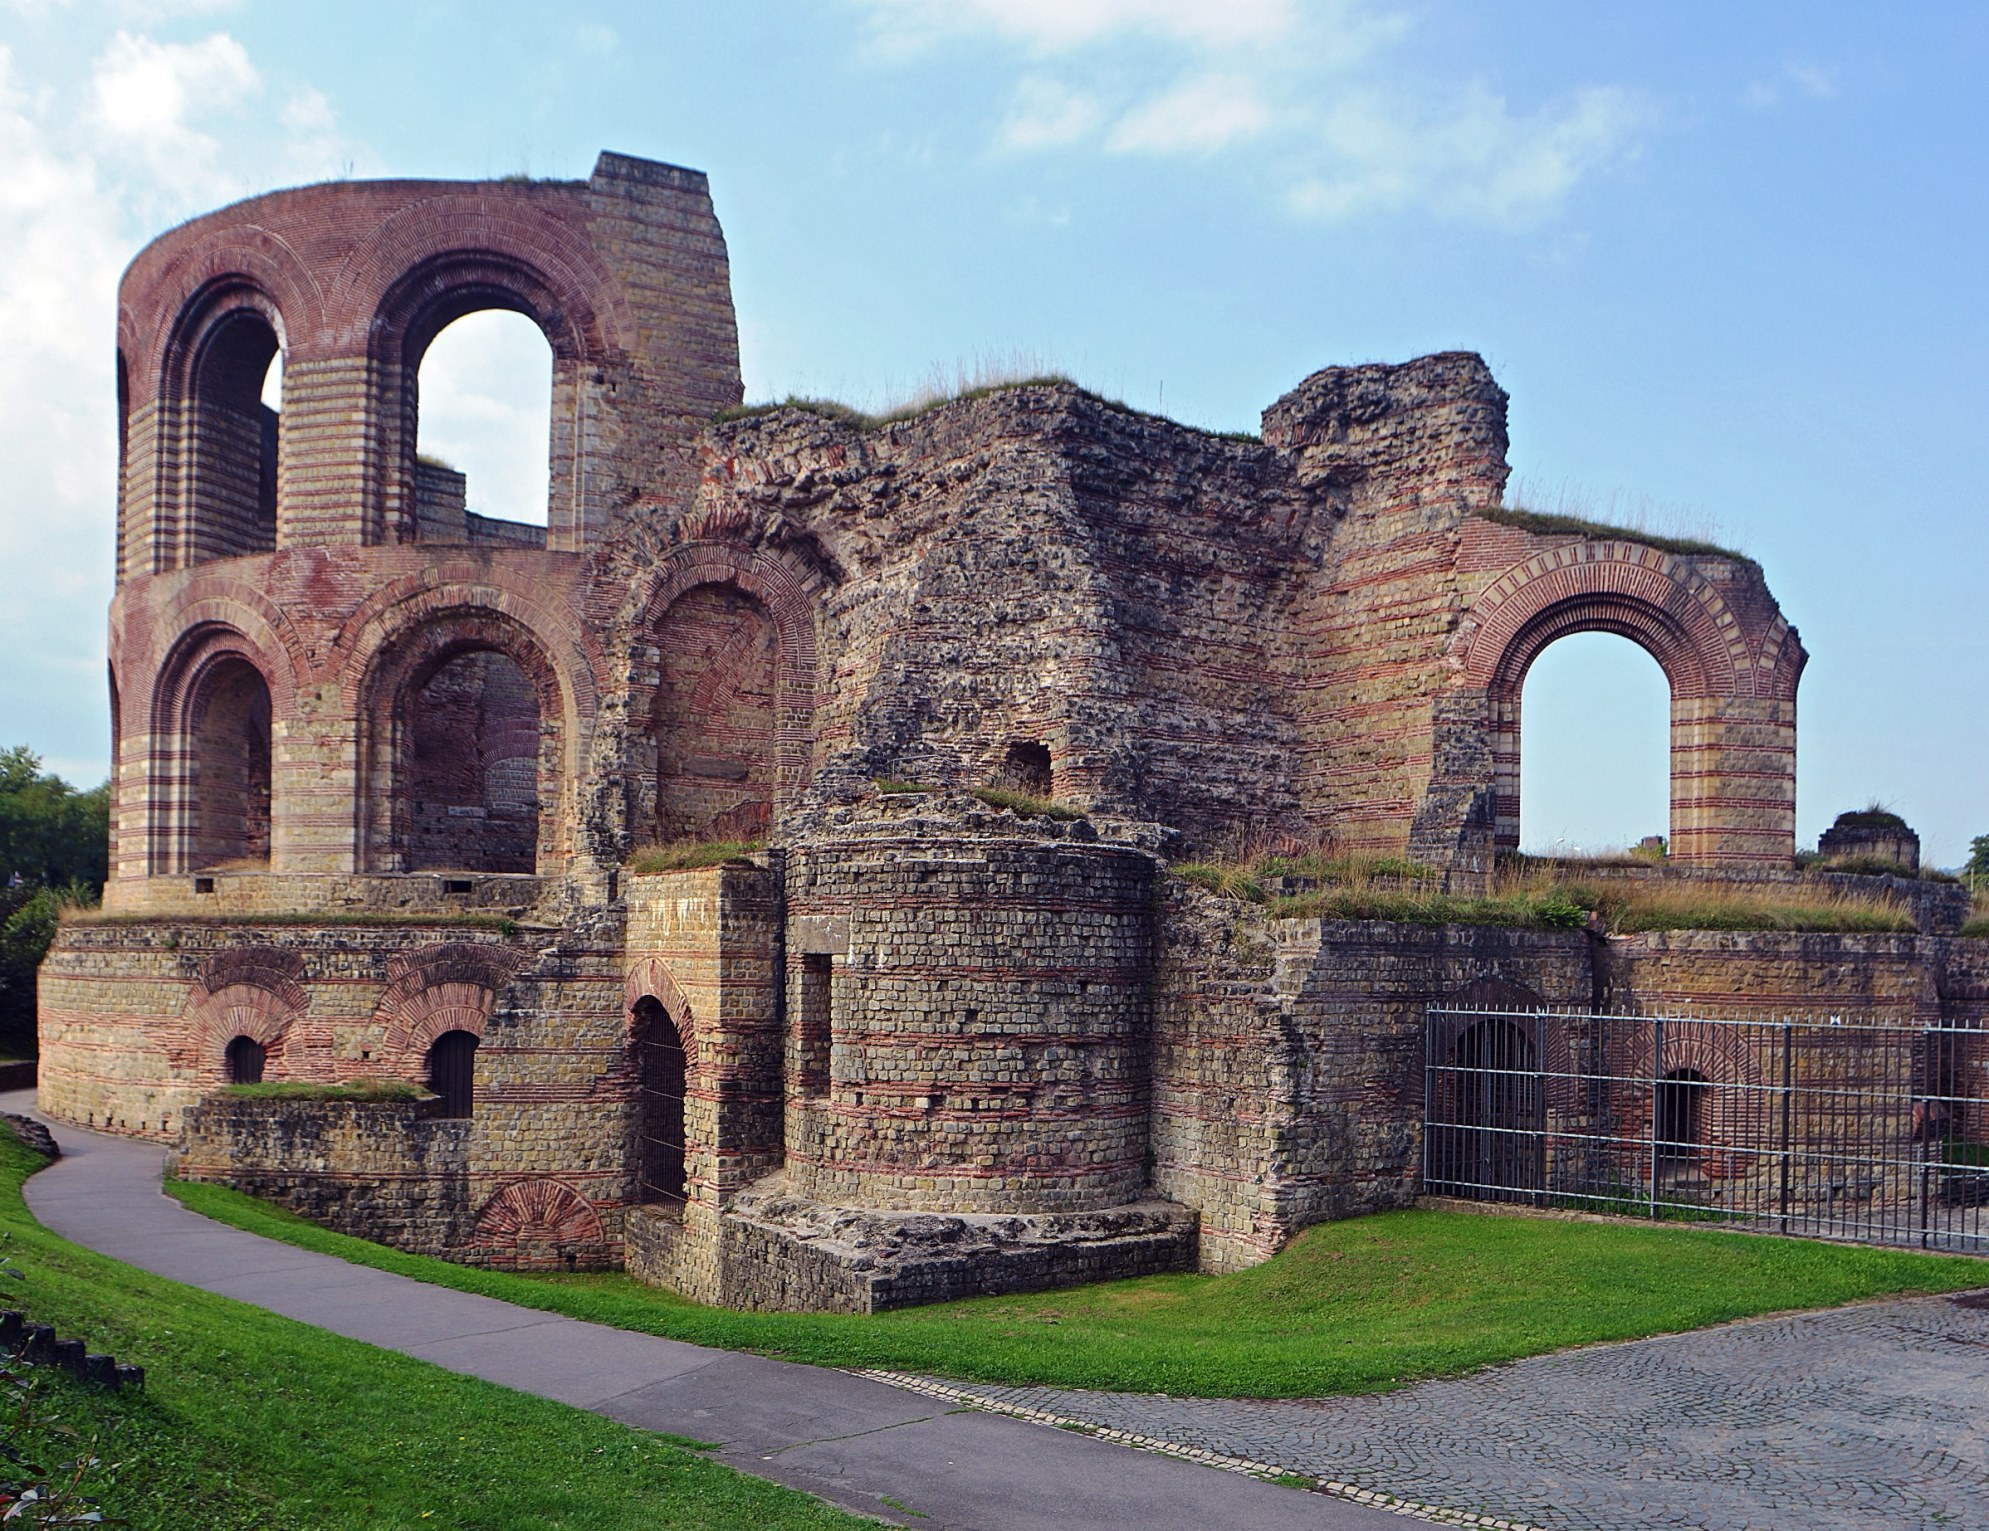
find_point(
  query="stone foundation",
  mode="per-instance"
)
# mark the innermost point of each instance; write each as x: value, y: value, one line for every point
x: 774, y: 1251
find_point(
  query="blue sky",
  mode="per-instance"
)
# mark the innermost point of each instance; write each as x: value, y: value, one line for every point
x: 1729, y: 262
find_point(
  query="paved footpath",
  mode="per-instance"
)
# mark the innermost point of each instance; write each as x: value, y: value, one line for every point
x: 850, y: 1439
x: 1868, y: 1416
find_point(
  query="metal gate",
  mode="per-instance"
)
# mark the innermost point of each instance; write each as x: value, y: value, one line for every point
x: 1834, y: 1128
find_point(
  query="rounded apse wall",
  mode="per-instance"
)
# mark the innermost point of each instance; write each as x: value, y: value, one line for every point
x: 980, y: 1037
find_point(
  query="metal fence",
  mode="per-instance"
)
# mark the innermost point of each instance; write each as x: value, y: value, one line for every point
x: 1832, y: 1128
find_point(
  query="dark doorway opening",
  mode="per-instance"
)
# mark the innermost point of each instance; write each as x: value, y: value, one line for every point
x: 245, y: 1059
x: 1680, y: 1108
x: 1490, y: 1130
x: 452, y: 1071
x: 661, y: 1070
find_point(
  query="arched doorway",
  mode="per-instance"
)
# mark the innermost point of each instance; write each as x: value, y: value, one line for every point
x: 227, y: 755
x: 661, y: 1068
x: 1489, y: 1120
x: 245, y: 1059
x: 1679, y: 1127
x: 1595, y: 755
x: 469, y: 772
x: 716, y: 716
x: 452, y: 1059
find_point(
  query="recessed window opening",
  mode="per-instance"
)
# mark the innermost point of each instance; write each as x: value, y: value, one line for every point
x: 452, y: 1071
x: 662, y: 1068
x: 235, y: 425
x: 471, y: 769
x: 716, y: 717
x: 1680, y: 1105
x: 483, y: 442
x: 1595, y: 748
x: 245, y: 1058
x: 228, y: 750
x: 815, y: 1026
x: 1026, y: 768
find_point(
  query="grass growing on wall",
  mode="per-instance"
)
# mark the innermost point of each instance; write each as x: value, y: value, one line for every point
x: 356, y: 1089
x: 1541, y: 895
x: 249, y: 1420
x: 1350, y: 1307
x: 688, y: 855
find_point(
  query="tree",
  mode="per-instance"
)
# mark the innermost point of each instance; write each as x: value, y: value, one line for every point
x: 54, y: 850
x: 1978, y: 857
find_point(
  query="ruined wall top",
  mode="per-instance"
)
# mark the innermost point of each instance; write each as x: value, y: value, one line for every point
x: 625, y: 273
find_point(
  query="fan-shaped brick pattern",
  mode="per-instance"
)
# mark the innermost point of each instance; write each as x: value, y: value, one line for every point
x: 539, y: 1224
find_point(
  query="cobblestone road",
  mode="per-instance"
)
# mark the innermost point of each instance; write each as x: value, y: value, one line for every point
x: 1871, y: 1416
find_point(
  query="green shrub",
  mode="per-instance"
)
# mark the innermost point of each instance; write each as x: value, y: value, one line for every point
x: 1024, y: 804
x: 353, y: 1089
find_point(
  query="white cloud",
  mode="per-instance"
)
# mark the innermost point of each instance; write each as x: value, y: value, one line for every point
x: 1311, y: 89
x: 1815, y: 82
x: 1047, y: 113
x: 1471, y: 158
x: 1196, y: 117
x: 1058, y: 26
x: 146, y: 93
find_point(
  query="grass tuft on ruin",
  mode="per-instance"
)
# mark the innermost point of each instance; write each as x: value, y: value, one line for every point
x: 1025, y: 804
x: 1358, y: 1306
x: 691, y: 855
x: 352, y: 1089
x: 1533, y: 894
x: 1551, y: 524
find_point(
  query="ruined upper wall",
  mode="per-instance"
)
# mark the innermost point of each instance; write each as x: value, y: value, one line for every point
x: 626, y: 273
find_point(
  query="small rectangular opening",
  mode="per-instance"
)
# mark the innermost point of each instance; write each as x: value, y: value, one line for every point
x: 458, y: 885
x: 203, y: 885
x: 814, y: 1028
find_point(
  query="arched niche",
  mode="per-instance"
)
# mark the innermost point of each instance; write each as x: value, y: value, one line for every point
x: 224, y: 439
x: 464, y: 726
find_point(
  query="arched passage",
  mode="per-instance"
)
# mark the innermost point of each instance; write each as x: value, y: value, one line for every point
x: 662, y: 1070
x: 1490, y: 1114
x: 1595, y: 751
x: 229, y: 434
x: 1729, y: 660
x: 483, y: 399
x: 464, y: 726
x: 226, y: 753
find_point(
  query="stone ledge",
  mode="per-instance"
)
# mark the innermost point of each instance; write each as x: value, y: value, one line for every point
x: 777, y: 1251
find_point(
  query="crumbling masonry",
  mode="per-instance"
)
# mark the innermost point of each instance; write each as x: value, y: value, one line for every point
x: 381, y: 765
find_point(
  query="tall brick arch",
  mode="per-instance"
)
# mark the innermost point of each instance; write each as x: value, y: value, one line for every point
x: 451, y: 255
x: 787, y: 595
x: 395, y: 644
x: 1730, y: 659
x: 172, y: 786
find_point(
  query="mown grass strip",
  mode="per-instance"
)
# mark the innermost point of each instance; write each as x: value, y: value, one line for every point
x: 249, y: 1420
x: 1350, y: 1307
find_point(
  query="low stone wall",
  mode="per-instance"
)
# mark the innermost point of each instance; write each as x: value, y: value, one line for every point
x: 772, y: 1251
x: 386, y: 1170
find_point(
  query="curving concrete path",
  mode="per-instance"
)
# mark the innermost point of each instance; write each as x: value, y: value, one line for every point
x: 850, y: 1440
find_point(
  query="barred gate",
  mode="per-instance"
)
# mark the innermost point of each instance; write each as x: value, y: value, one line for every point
x: 1835, y: 1128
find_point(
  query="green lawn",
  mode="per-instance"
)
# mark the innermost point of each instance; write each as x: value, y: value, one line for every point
x: 248, y: 1420
x: 1349, y: 1307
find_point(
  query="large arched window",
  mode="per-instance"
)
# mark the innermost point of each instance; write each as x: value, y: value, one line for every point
x: 662, y: 1068
x: 227, y: 759
x: 452, y: 1062
x: 483, y: 395
x: 231, y: 442
x: 717, y: 716
x: 468, y: 766
x: 1595, y: 753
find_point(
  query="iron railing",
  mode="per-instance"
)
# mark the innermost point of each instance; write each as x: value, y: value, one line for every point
x: 1834, y: 1128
